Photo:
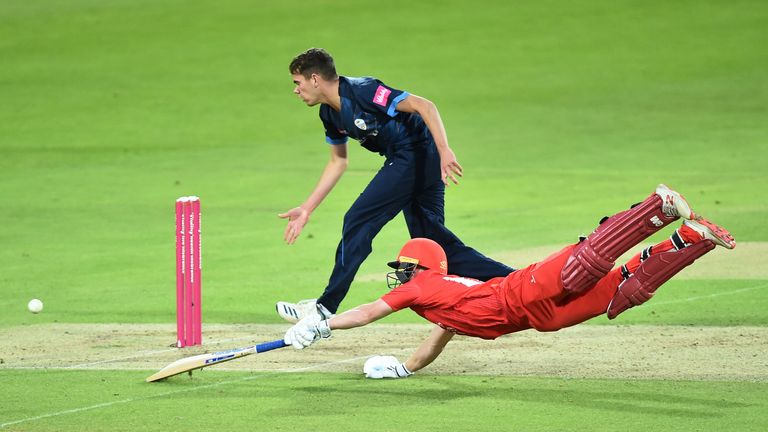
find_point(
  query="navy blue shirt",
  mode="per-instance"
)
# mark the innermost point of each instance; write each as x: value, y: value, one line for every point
x: 368, y: 115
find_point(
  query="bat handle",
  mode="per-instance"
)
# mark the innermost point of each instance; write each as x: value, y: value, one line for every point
x: 268, y: 346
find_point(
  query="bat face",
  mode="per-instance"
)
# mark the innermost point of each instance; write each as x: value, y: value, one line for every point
x: 203, y: 360
x: 199, y: 361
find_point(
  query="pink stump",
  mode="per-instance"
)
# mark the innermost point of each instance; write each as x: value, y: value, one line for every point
x: 188, y: 266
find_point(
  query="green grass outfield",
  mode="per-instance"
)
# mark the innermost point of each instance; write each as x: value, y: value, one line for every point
x: 340, y: 401
x: 560, y: 112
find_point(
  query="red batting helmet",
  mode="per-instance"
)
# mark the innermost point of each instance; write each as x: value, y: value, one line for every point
x: 424, y: 253
x: 418, y: 252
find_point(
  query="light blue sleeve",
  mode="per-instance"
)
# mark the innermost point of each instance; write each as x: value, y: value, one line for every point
x: 392, y: 111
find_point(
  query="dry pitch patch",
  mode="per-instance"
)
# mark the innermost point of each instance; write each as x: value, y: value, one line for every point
x: 639, y: 352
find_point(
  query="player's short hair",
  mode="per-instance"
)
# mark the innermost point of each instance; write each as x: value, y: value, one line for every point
x: 314, y: 60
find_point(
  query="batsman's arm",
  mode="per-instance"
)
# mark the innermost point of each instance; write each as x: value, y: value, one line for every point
x: 429, y: 350
x: 425, y: 354
x: 360, y: 316
x: 309, y: 330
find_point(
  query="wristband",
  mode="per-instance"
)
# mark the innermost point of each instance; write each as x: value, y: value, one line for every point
x: 323, y: 329
x: 402, y: 371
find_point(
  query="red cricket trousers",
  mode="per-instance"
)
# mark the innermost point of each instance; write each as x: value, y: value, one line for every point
x: 538, y: 289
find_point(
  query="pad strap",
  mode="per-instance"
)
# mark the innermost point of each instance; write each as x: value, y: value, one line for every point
x: 652, y: 273
x: 595, y: 257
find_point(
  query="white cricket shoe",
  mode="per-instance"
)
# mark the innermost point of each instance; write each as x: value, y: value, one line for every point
x: 295, y: 312
x: 673, y: 204
x: 712, y: 231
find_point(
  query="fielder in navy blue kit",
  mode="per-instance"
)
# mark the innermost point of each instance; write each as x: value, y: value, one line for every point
x: 407, y: 130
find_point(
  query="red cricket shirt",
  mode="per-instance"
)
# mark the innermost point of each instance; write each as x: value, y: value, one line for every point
x: 525, y: 299
x: 461, y: 305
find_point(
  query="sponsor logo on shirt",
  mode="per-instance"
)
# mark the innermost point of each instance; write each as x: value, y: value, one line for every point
x: 360, y: 123
x: 462, y: 280
x: 381, y: 96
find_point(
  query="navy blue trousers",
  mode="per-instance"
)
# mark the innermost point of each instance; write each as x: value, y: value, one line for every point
x: 409, y: 182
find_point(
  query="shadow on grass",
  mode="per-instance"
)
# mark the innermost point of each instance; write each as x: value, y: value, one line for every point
x: 614, y: 399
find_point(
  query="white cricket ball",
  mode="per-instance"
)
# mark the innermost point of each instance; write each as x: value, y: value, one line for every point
x: 35, y: 306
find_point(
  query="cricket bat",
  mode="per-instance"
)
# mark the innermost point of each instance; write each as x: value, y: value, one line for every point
x: 189, y: 364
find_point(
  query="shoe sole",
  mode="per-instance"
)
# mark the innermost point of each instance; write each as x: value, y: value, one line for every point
x: 673, y: 204
x: 712, y: 231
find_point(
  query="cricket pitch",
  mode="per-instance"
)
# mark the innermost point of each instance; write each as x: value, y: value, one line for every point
x: 587, y: 351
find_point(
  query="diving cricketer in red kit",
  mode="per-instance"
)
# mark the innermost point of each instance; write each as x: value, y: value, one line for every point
x: 571, y: 286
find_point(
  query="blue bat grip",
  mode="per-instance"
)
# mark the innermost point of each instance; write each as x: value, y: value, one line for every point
x: 268, y: 346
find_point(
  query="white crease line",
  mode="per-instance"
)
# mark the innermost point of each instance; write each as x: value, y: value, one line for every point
x: 81, y: 368
x: 217, y: 368
x: 207, y: 386
x: 145, y: 354
x: 85, y: 365
x: 724, y: 293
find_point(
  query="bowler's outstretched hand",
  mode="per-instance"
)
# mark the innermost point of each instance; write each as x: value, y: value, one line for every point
x: 297, y: 218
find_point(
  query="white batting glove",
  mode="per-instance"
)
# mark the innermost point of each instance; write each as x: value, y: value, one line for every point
x: 297, y: 337
x: 378, y: 367
x: 306, y: 332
